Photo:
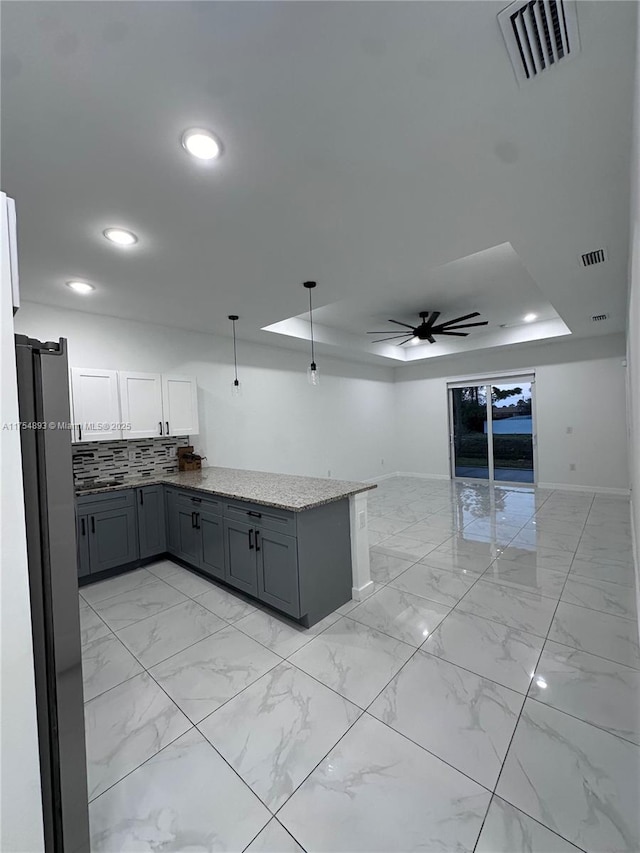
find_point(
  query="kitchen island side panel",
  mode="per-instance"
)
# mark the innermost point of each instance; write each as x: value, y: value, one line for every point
x: 324, y: 560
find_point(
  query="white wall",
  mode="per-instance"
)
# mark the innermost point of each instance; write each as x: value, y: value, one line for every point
x: 578, y: 383
x: 633, y: 332
x: 20, y: 798
x: 280, y: 423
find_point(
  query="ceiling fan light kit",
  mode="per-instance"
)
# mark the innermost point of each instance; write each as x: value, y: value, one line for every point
x: 429, y: 328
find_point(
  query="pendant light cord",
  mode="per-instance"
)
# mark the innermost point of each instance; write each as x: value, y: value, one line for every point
x: 235, y: 355
x: 313, y: 356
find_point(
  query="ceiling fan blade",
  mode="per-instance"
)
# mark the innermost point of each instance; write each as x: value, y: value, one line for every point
x: 392, y: 338
x: 461, y: 319
x: 431, y: 319
x: 398, y: 323
x: 457, y: 334
x: 465, y: 325
x: 386, y: 331
x: 402, y: 343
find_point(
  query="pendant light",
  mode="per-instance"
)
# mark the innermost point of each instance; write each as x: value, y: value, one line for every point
x: 235, y: 388
x: 313, y: 376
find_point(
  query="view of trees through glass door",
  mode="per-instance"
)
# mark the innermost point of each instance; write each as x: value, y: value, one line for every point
x: 492, y: 432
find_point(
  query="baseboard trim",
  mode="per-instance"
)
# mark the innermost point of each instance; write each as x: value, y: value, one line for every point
x: 360, y: 593
x: 422, y: 476
x: 380, y: 478
x: 571, y: 487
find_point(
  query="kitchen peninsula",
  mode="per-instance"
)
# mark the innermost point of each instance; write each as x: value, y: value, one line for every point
x: 298, y: 544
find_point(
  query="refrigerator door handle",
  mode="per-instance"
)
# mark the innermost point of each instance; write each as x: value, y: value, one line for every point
x: 93, y: 524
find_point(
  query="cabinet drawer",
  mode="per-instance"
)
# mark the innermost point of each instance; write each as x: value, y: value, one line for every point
x: 196, y: 500
x: 268, y: 517
x: 106, y: 501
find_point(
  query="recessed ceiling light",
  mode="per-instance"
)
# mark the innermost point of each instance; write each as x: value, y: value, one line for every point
x: 80, y: 286
x: 201, y: 143
x: 529, y: 318
x: 120, y: 236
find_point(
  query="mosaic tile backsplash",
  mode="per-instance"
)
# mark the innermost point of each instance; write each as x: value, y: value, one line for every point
x: 111, y: 458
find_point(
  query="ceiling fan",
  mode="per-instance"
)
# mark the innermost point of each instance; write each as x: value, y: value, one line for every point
x: 428, y: 328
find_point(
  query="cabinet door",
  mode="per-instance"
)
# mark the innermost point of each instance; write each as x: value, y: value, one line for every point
x: 82, y: 538
x: 212, y: 556
x: 189, y: 546
x: 173, y: 523
x: 141, y: 404
x: 240, y: 568
x: 278, y: 571
x: 96, y: 404
x: 180, y: 405
x: 151, y: 521
x: 113, y: 538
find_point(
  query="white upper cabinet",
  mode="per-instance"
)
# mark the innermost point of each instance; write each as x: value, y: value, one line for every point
x: 180, y: 405
x: 96, y: 405
x: 141, y: 404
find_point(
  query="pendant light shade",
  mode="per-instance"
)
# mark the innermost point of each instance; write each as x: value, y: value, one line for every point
x: 236, y: 388
x: 313, y: 377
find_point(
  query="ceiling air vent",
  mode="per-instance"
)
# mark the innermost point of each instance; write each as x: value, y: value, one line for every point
x: 596, y: 318
x: 589, y: 259
x: 539, y: 34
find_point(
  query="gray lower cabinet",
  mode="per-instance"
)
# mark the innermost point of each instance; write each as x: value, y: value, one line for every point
x: 82, y: 539
x: 107, y: 532
x: 240, y: 556
x: 212, y: 537
x: 298, y: 563
x: 151, y: 521
x: 278, y: 571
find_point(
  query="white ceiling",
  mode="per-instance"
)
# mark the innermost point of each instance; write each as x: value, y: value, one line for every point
x: 368, y: 146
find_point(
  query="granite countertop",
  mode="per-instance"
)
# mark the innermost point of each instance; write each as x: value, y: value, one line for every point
x: 285, y: 491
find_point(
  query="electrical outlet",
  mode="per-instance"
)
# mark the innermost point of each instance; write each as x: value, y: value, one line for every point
x: 329, y: 472
x: 362, y: 519
x: 572, y: 466
x: 569, y: 430
x: 382, y: 462
x: 132, y: 455
x: 170, y: 452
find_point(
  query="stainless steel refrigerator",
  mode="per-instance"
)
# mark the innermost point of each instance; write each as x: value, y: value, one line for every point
x: 43, y: 399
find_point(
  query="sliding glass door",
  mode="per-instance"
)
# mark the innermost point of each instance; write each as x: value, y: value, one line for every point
x: 492, y: 433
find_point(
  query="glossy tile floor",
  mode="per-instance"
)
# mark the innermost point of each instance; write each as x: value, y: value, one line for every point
x: 485, y: 698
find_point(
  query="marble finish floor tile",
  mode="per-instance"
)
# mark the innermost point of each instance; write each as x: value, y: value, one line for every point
x: 444, y: 586
x: 508, y: 830
x: 377, y: 792
x: 541, y: 558
x: 184, y: 798
x: 163, y: 568
x: 96, y: 592
x: 461, y: 545
x: 600, y: 595
x: 385, y: 567
x: 207, y: 674
x: 579, y: 781
x: 591, y: 688
x: 400, y: 614
x: 91, y: 625
x: 598, y: 633
x: 275, y: 732
x: 526, y: 578
x: 462, y: 718
x: 281, y: 635
x: 106, y: 663
x: 124, y: 727
x: 502, y: 654
x: 459, y: 563
x: 188, y: 583
x: 158, y: 637
x: 405, y: 548
x: 274, y: 838
x: 387, y: 526
x: 129, y: 607
x: 601, y: 570
x: 524, y: 611
x: 607, y: 552
x: 540, y: 538
x: 226, y: 604
x: 354, y: 660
